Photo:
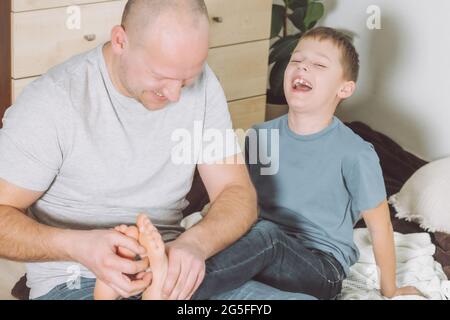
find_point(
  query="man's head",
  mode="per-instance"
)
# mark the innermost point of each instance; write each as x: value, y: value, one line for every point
x: 160, y: 48
x: 322, y: 72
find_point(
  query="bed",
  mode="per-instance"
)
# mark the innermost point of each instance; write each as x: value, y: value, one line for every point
x: 398, y: 165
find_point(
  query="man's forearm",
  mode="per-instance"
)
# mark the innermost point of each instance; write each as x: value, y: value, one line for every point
x: 230, y: 217
x: 23, y: 239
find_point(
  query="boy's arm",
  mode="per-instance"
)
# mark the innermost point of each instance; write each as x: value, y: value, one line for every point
x: 378, y: 222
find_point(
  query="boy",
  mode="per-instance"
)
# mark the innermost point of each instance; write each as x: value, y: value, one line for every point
x: 328, y: 177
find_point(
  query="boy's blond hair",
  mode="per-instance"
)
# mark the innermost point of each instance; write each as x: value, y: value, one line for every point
x: 349, y: 55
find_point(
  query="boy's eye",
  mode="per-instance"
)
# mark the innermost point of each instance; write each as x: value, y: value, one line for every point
x: 319, y: 65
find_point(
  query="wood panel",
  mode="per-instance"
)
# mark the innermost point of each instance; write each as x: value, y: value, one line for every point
x: 26, y: 5
x: 248, y: 112
x: 5, y: 56
x: 240, y: 65
x: 41, y: 38
x: 237, y: 21
x: 241, y: 69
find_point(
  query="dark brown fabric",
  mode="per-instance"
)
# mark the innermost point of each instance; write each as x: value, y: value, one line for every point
x: 198, y: 197
x: 20, y: 290
x: 398, y: 166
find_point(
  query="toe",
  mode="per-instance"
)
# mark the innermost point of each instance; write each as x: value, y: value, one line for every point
x: 141, y: 222
x: 122, y: 228
x: 132, y: 232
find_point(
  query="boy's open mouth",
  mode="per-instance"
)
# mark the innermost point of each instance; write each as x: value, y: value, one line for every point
x: 301, y: 84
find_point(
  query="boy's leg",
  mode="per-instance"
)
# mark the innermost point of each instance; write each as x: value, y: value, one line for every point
x: 268, y: 255
x: 239, y: 263
x: 63, y: 292
x: 254, y: 290
x: 84, y: 292
x: 301, y: 269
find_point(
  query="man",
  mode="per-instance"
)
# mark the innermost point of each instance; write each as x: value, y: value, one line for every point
x: 87, y: 147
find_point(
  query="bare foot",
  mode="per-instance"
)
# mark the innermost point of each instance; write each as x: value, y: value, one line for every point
x: 102, y: 291
x: 150, y: 239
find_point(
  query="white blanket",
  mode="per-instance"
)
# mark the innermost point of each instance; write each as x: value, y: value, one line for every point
x: 415, y: 267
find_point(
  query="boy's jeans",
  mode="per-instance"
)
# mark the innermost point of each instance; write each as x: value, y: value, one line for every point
x: 251, y: 290
x: 270, y: 256
x: 282, y: 267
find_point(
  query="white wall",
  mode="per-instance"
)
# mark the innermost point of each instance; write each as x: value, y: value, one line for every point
x: 404, y: 86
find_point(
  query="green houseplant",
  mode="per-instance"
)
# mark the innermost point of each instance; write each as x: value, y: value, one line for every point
x: 304, y: 15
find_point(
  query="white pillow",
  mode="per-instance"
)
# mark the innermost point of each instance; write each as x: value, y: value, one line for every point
x: 425, y: 197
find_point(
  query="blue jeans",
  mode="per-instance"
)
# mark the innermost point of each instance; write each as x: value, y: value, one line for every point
x: 283, y: 269
x: 269, y: 255
x: 251, y: 290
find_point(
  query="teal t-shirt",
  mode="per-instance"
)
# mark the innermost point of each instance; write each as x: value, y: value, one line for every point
x: 323, y: 184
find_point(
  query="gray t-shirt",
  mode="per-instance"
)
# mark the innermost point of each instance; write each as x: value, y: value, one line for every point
x: 101, y: 157
x: 325, y: 180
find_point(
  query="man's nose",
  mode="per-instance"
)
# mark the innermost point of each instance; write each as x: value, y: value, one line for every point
x: 172, y: 90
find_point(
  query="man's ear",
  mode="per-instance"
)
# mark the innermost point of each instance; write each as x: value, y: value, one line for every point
x: 347, y: 90
x: 119, y: 39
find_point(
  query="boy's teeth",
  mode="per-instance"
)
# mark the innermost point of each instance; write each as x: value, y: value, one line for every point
x: 299, y: 82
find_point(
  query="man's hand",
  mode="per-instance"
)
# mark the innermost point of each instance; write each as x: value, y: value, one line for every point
x: 404, y: 291
x: 186, y: 270
x: 97, y: 251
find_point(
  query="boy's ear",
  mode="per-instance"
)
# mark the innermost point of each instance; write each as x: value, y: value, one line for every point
x: 347, y: 89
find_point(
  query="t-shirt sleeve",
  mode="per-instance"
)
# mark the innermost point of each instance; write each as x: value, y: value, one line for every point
x: 30, y: 153
x: 219, y: 139
x: 364, y: 180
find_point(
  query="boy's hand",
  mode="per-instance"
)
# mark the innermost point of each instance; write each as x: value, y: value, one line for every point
x: 405, y: 291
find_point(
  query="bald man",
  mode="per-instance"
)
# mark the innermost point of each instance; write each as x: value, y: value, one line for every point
x: 87, y: 147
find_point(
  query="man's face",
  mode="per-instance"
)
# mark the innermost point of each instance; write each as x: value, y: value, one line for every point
x: 155, y: 71
x: 314, y: 77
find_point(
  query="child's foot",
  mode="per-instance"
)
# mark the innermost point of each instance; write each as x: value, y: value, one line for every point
x: 150, y: 239
x: 102, y: 291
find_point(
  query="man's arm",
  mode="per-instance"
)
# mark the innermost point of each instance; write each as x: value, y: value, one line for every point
x: 233, y: 207
x: 233, y: 212
x: 378, y: 222
x: 23, y: 239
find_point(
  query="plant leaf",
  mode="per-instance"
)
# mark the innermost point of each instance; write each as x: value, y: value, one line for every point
x: 312, y: 25
x: 314, y: 13
x: 297, y: 18
x: 295, y: 4
x: 283, y: 48
x: 281, y: 40
x: 277, y: 78
x: 278, y: 13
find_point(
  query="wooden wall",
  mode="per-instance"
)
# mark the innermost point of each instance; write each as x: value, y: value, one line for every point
x: 5, y: 56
